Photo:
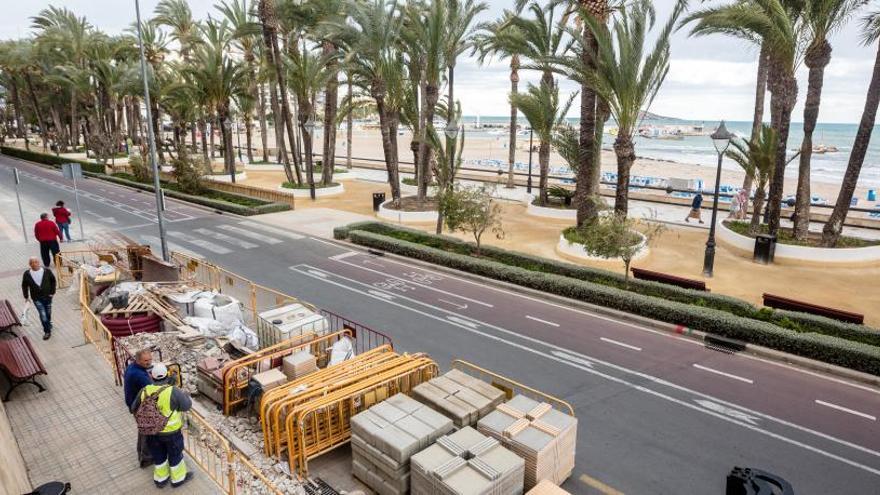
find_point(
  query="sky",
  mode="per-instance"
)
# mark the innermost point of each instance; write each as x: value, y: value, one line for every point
x: 710, y: 78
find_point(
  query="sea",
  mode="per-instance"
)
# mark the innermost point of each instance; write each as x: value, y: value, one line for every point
x: 828, y: 167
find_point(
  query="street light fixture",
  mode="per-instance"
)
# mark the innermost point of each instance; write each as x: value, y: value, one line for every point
x: 309, y: 127
x: 721, y: 139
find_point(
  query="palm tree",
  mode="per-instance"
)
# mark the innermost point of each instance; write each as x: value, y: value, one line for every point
x: 821, y: 18
x: 627, y: 76
x: 460, y: 31
x: 329, y: 11
x: 11, y: 65
x: 176, y: 15
x: 540, y: 40
x: 757, y: 157
x: 449, y: 158
x: 541, y: 106
x: 834, y: 226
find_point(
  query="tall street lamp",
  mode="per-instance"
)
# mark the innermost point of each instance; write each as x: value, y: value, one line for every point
x: 155, y: 165
x: 309, y: 127
x: 452, y: 130
x: 227, y: 157
x: 238, y: 135
x: 721, y: 139
x: 531, y: 147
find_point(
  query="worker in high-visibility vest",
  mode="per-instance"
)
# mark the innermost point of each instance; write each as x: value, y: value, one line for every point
x: 166, y: 447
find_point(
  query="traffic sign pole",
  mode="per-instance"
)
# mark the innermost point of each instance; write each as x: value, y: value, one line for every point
x: 18, y: 199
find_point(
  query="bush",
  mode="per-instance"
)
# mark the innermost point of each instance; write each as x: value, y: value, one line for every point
x: 188, y: 172
x: 55, y: 161
x: 139, y: 169
x: 826, y: 348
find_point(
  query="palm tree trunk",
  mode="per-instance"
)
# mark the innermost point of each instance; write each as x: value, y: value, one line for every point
x: 783, y: 97
x: 203, y: 128
x: 269, y: 21
x: 349, y: 126
x: 586, y: 187
x: 832, y: 230
x: 626, y: 155
x: 758, y: 205
x: 331, y: 104
x: 817, y: 58
x: 387, y: 148
x: 511, y: 147
x: 758, y: 112
x: 429, y: 104
x: 544, y: 163
x: 261, y: 116
x: 281, y: 153
x: 61, y: 134
x: 226, y: 137
x: 249, y: 137
x: 74, y: 121
x: 157, y: 131
x: 37, y: 112
x: 21, y: 131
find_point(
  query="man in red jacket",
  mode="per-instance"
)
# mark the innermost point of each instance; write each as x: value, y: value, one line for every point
x: 47, y: 234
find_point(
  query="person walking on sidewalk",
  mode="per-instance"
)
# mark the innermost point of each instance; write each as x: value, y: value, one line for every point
x: 137, y: 376
x: 162, y: 400
x: 47, y: 234
x: 62, y: 219
x: 38, y: 286
x: 696, y: 212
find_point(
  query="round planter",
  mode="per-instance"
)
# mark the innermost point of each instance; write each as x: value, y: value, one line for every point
x: 320, y: 192
x: 578, y: 252
x: 277, y: 167
x: 546, y: 212
x: 801, y: 254
x: 239, y: 176
x: 408, y: 190
x: 406, y: 216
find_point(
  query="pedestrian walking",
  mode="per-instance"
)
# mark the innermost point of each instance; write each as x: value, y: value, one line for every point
x: 38, y: 286
x: 47, y: 234
x: 136, y: 377
x: 696, y: 211
x: 158, y: 410
x: 743, y: 204
x: 62, y: 219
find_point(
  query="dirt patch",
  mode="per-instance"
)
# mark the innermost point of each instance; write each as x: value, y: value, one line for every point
x: 412, y: 203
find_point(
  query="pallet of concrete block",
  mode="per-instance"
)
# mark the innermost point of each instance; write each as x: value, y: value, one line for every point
x: 466, y: 463
x: 384, y: 437
x: 540, y: 434
x: 547, y: 488
x: 459, y: 396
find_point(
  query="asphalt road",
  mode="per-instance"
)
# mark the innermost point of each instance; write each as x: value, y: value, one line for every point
x: 658, y: 413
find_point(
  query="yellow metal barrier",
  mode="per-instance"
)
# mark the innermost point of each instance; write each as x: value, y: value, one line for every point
x: 511, y: 387
x: 94, y: 331
x: 68, y: 262
x: 207, y: 448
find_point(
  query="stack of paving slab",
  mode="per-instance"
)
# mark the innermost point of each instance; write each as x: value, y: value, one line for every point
x: 541, y: 435
x: 384, y: 437
x: 547, y: 488
x: 466, y: 463
x: 459, y: 396
x: 298, y: 365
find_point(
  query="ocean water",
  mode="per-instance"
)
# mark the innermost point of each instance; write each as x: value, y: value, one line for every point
x: 828, y: 167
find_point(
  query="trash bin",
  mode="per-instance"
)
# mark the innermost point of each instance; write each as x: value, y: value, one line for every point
x: 378, y: 199
x: 872, y: 195
x: 765, y: 249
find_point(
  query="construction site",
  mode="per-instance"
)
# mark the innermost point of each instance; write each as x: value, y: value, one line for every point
x: 289, y: 398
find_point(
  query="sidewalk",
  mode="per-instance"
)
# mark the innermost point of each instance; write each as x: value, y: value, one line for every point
x: 78, y: 430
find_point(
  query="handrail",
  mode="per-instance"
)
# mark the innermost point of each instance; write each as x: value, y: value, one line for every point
x: 511, y: 386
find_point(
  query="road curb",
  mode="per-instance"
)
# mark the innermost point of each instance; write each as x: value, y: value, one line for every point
x: 698, y: 335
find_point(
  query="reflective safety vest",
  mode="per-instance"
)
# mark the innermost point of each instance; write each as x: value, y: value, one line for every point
x: 175, y: 418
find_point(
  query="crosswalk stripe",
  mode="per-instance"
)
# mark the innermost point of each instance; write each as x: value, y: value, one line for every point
x: 274, y: 230
x: 227, y: 238
x: 156, y: 243
x: 252, y: 235
x: 210, y: 246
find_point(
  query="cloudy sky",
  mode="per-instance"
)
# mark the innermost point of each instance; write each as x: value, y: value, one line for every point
x: 710, y: 78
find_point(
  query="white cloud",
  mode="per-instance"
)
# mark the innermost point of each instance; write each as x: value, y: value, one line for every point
x: 711, y: 73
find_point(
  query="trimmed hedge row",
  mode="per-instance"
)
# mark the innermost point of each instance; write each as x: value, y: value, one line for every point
x: 55, y: 161
x: 854, y: 355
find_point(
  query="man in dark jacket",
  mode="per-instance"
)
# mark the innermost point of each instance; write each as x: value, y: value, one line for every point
x: 137, y: 376
x: 38, y: 285
x: 47, y: 234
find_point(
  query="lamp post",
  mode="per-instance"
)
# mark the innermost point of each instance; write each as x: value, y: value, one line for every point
x: 452, y: 130
x: 531, y: 147
x: 227, y: 157
x: 309, y: 127
x: 157, y: 186
x: 721, y: 139
x: 238, y: 136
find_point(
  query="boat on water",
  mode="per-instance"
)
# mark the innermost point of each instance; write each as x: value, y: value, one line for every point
x: 821, y: 149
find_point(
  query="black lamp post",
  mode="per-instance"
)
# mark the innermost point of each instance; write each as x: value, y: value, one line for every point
x: 238, y: 137
x: 531, y: 147
x: 451, y: 134
x: 309, y: 127
x: 721, y: 139
x: 227, y: 125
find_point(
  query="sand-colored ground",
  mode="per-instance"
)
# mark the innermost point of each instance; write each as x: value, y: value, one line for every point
x: 678, y: 251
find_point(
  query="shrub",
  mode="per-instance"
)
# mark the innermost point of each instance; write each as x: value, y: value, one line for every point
x: 139, y: 169
x: 188, y: 172
x: 53, y: 160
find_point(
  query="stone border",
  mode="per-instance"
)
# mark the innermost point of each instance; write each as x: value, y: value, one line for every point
x: 546, y: 212
x: 787, y: 252
x: 277, y: 167
x: 578, y: 252
x: 320, y: 192
x: 406, y: 216
x: 239, y: 176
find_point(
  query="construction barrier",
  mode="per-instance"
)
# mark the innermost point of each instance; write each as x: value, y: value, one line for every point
x: 67, y: 263
x: 511, y: 387
x: 94, y: 331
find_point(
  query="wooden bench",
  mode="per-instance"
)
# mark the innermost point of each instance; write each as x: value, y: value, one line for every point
x: 665, y: 278
x: 779, y: 302
x: 20, y: 363
x: 8, y: 318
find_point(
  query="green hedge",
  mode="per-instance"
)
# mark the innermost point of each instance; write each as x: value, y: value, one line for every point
x: 826, y: 348
x: 55, y: 161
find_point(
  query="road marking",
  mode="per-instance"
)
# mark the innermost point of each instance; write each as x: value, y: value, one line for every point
x: 320, y: 274
x: 252, y: 235
x: 621, y: 344
x: 344, y: 255
x: 728, y: 375
x: 462, y: 321
x: 101, y: 218
x: 157, y: 243
x: 728, y: 411
x: 846, y: 410
x: 274, y: 230
x: 598, y: 485
x: 573, y: 359
x: 387, y: 297
x: 227, y: 238
x: 210, y: 246
x: 542, y: 321
x: 455, y: 305
x: 652, y: 379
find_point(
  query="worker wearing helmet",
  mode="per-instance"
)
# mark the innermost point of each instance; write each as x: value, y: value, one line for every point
x: 166, y: 447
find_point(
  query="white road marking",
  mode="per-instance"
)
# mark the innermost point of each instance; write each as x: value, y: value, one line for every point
x: 317, y: 239
x: 274, y: 230
x: 344, y: 255
x: 728, y: 375
x: 846, y: 410
x: 235, y: 241
x: 102, y: 218
x: 642, y: 388
x: 455, y: 305
x: 621, y: 344
x: 727, y: 411
x: 371, y: 262
x: 573, y: 359
x: 542, y: 321
x: 320, y: 274
x: 462, y: 321
x: 252, y: 235
x: 387, y: 297
x: 157, y: 243
x: 210, y: 246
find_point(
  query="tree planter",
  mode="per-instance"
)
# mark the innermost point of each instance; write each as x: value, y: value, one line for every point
x: 320, y: 192
x: 548, y: 212
x: 399, y: 216
x: 788, y: 253
x: 239, y: 176
x: 576, y: 251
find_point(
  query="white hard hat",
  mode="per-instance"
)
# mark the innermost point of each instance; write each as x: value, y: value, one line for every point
x: 159, y: 371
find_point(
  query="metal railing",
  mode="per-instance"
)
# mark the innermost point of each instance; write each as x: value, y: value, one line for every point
x: 94, y: 330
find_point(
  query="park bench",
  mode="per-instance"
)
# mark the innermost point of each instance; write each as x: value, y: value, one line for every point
x: 20, y: 363
x: 779, y: 302
x: 8, y: 318
x: 665, y: 278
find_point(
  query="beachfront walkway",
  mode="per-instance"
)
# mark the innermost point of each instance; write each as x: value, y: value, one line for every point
x: 79, y: 429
